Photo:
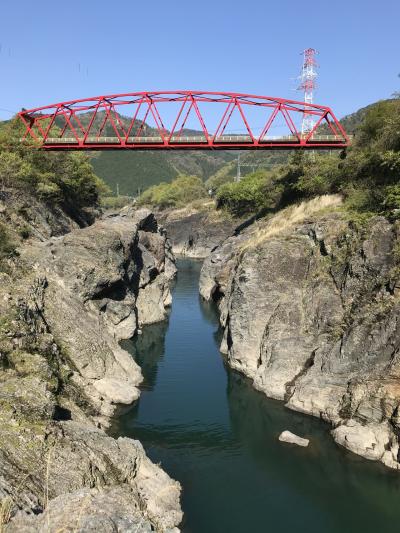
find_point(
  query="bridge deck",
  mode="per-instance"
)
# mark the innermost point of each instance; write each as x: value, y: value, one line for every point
x: 225, y: 142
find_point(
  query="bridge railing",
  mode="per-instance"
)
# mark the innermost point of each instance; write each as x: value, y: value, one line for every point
x: 195, y: 139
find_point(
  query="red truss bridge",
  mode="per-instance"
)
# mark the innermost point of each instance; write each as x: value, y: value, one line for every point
x: 170, y: 120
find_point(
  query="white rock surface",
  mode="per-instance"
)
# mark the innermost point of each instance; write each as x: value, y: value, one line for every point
x: 288, y: 436
x: 373, y: 441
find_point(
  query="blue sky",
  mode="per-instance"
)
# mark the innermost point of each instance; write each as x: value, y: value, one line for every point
x: 53, y: 51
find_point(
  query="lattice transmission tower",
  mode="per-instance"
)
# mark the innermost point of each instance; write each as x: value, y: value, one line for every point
x: 308, y: 85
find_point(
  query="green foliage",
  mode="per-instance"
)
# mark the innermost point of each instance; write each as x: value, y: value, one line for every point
x: 392, y: 197
x: 115, y: 202
x: 133, y: 170
x: 320, y: 176
x: 256, y: 161
x: 25, y: 232
x: 58, y: 177
x: 178, y: 193
x: 368, y: 176
x: 224, y: 175
x: 255, y: 192
x: 374, y: 120
x: 390, y: 132
x: 12, y: 168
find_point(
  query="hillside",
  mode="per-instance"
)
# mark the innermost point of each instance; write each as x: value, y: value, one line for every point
x: 252, y: 161
x: 139, y: 170
x: 133, y: 170
x: 353, y: 121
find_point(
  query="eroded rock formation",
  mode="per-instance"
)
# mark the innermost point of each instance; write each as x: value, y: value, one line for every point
x: 196, y: 232
x: 65, y: 302
x: 311, y: 314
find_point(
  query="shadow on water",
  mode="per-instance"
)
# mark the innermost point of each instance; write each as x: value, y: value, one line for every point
x: 326, y: 487
x: 219, y: 437
x: 148, y: 349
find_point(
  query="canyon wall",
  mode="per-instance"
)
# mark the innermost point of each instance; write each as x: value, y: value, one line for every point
x: 310, y: 308
x: 66, y: 299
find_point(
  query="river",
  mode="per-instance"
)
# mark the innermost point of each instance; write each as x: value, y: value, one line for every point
x: 219, y: 437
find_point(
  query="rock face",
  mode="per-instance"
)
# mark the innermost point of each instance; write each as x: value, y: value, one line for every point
x: 65, y: 303
x: 91, y: 288
x: 27, y: 216
x: 311, y: 314
x: 195, y: 233
x: 92, y: 480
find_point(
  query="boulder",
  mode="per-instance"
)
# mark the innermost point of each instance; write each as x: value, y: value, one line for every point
x: 291, y: 438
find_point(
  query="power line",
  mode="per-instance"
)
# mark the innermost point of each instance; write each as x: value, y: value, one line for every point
x: 8, y: 111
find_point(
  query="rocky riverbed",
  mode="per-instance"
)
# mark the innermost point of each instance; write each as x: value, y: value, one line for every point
x: 65, y: 302
x: 309, y: 304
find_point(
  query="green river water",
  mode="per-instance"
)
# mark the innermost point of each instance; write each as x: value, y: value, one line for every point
x: 219, y: 437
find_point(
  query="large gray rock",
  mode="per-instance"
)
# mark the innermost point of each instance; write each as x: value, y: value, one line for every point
x: 196, y: 232
x: 311, y: 314
x: 110, y: 482
x: 87, y: 290
x: 86, y: 510
x: 64, y: 305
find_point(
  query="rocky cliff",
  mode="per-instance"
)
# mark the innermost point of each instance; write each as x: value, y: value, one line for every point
x: 195, y: 232
x: 310, y: 308
x: 65, y: 302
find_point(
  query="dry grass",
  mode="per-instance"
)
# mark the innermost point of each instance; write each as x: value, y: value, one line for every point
x: 286, y: 219
x: 7, y: 504
x: 5, y: 513
x: 205, y: 206
x: 46, y: 487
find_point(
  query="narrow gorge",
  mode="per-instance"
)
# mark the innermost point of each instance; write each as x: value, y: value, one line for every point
x: 302, y: 305
x: 199, y: 267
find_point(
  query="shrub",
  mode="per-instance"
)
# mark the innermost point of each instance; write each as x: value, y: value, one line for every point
x: 12, y: 167
x: 391, y: 199
x: 375, y: 120
x: 115, y: 202
x: 243, y: 197
x: 319, y: 176
x: 57, y: 177
x: 7, y: 246
x: 178, y: 193
x: 224, y: 175
x: 25, y: 232
x: 260, y: 190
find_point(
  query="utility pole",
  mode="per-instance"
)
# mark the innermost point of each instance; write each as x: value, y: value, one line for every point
x: 117, y: 190
x: 238, y: 174
x: 254, y: 166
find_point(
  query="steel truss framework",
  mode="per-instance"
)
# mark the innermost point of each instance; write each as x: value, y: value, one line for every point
x: 81, y: 124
